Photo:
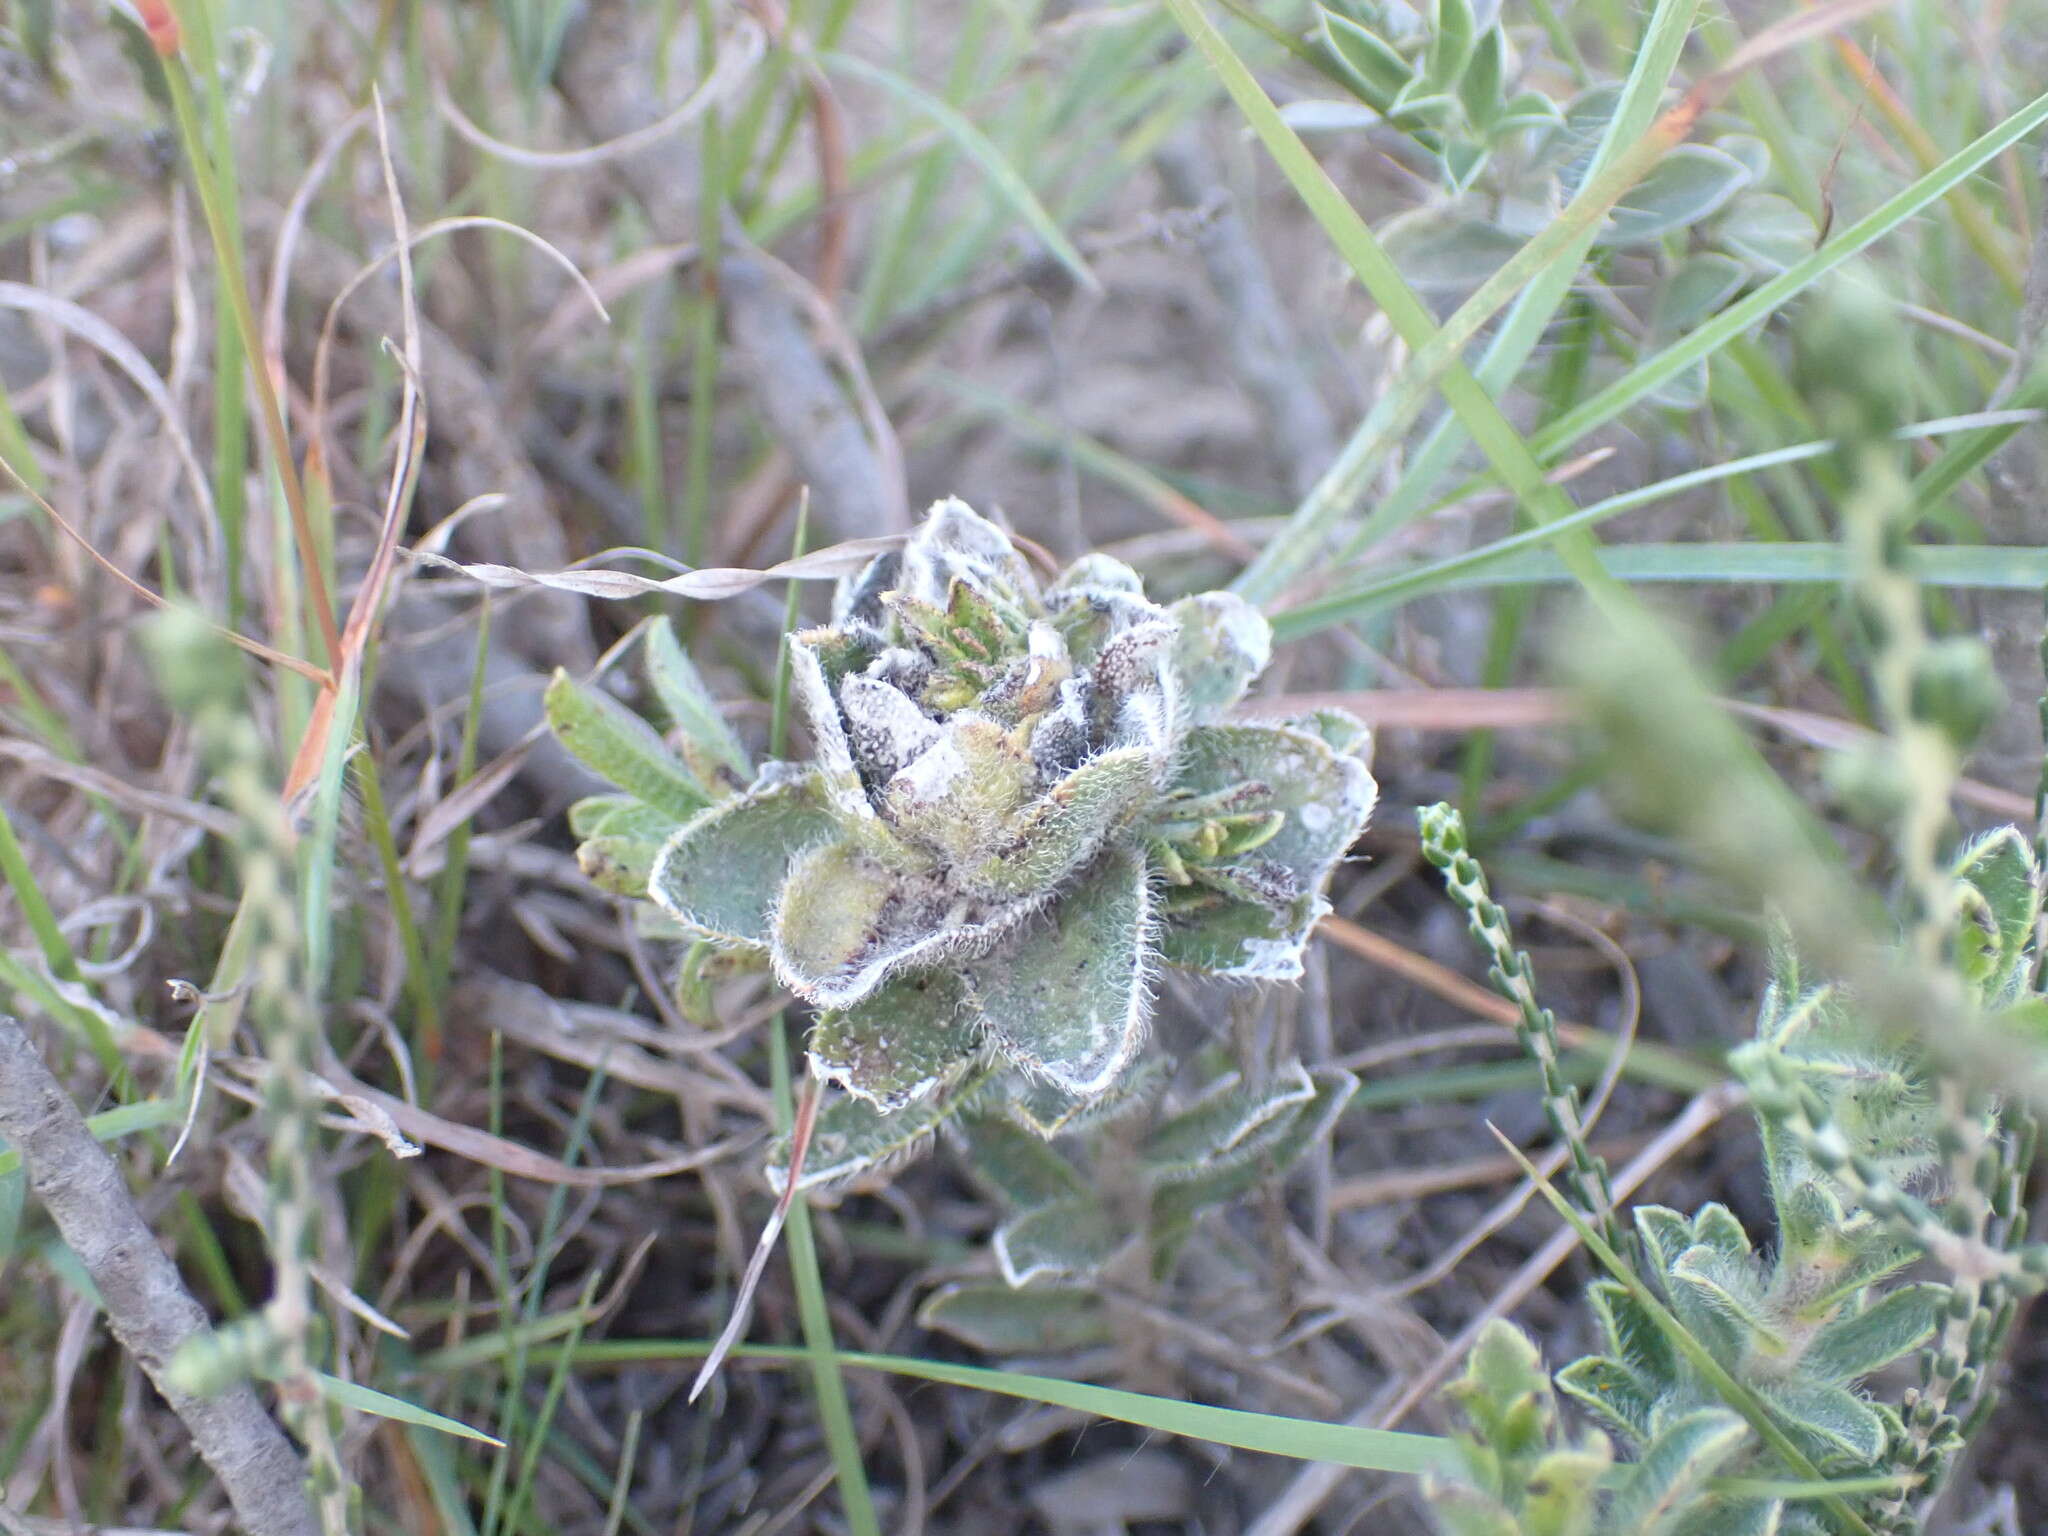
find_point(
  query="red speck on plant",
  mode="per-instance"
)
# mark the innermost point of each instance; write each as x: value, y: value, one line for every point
x: 161, y: 25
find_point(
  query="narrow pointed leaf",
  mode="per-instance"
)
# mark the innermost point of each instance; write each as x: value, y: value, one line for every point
x: 978, y: 147
x: 362, y: 1399
x: 1045, y: 1320
x: 1858, y: 1343
x: 1672, y: 1470
x: 1015, y: 1162
x: 618, y: 745
x: 689, y: 703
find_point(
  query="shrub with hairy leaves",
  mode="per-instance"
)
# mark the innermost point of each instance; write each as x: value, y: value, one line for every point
x: 1023, y: 798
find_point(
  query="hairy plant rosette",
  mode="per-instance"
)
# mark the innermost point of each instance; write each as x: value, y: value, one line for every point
x: 1022, y: 800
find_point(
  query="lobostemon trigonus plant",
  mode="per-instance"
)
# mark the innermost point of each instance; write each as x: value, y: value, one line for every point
x: 1023, y: 798
x: 1733, y: 1375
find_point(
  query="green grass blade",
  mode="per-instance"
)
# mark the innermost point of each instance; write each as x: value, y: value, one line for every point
x: 835, y: 1411
x: 113, y: 1124
x: 1347, y: 1445
x: 351, y: 1394
x: 1435, y: 364
x: 42, y: 921
x: 1907, y: 203
x: 1973, y: 567
x: 1537, y: 304
x: 978, y: 147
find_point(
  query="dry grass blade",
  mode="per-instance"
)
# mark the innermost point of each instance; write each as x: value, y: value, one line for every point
x: 743, y: 1299
x: 287, y: 243
x: 123, y: 354
x: 708, y: 585
x: 737, y: 56
x: 400, y: 251
x: 510, y: 1157
x: 255, y: 648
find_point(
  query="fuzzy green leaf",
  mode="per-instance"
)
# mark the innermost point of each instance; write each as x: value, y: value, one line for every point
x: 1703, y: 283
x: 1480, y: 88
x: 1044, y: 1320
x: 846, y: 923
x: 853, y: 1137
x: 1326, y: 795
x: 1724, y: 1516
x: 1505, y: 1392
x: 1065, y: 996
x: 1688, y: 186
x: 620, y: 865
x: 587, y: 816
x: 1229, y: 1119
x: 1632, y: 1334
x: 1095, y: 575
x: 1561, y: 1494
x: 1048, y: 1109
x: 1854, y: 1345
x: 1769, y: 232
x: 689, y: 703
x: 1059, y: 832
x: 1224, y: 643
x: 1418, y: 108
x: 1997, y: 946
x: 1448, y: 255
x: 818, y: 659
x: 722, y: 874
x: 1672, y: 1469
x: 1266, y: 902
x: 1176, y: 1203
x: 1069, y: 1237
x: 1016, y: 1164
x: 619, y: 746
x: 1614, y: 1394
x: 1458, y: 1509
x: 902, y: 1041
x: 1204, y: 930
x: 1451, y: 40
x: 1529, y: 109
x: 622, y: 816
x: 1732, y: 1287
x: 1374, y: 69
x: 1827, y: 1421
x: 1462, y: 164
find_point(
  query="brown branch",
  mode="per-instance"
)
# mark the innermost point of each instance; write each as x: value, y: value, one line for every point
x: 152, y: 1313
